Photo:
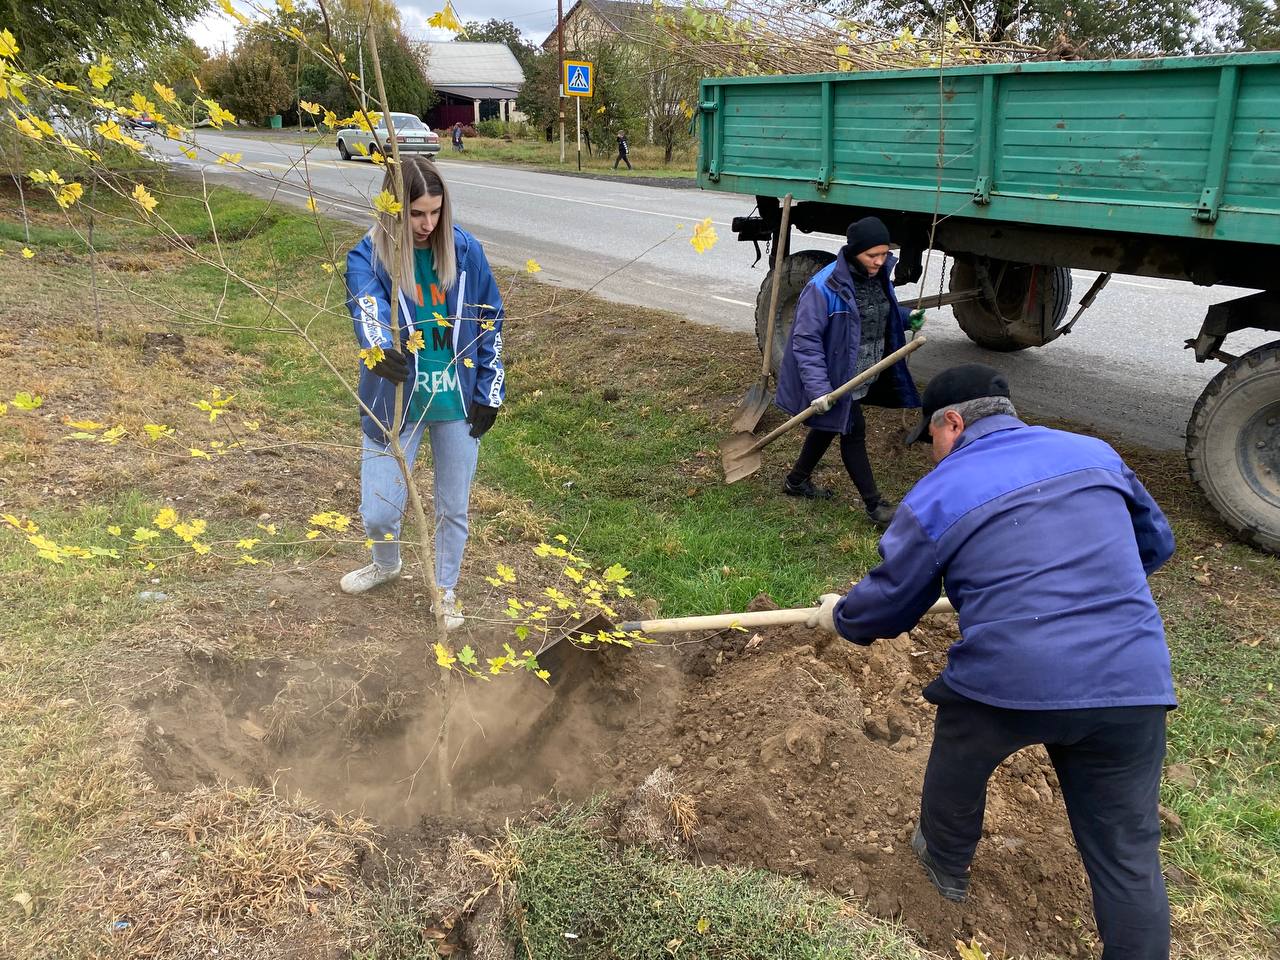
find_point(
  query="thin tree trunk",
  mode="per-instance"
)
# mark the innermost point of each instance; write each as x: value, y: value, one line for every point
x: 93, y: 261
x: 426, y: 534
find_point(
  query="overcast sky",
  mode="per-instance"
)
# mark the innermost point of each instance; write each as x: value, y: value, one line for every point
x: 534, y: 18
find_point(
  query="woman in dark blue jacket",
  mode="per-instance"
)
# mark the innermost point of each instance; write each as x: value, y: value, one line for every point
x: 847, y: 319
x: 450, y: 362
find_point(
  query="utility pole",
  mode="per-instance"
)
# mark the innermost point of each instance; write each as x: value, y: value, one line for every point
x: 560, y: 71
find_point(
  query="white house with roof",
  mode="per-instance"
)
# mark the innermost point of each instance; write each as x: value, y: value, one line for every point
x: 475, y: 81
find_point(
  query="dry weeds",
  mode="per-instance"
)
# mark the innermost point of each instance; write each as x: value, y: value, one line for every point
x: 220, y: 868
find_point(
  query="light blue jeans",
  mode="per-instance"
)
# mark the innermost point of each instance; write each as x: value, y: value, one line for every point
x: 383, y: 494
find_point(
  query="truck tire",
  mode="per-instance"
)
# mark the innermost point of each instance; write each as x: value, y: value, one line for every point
x: 985, y: 327
x: 1233, y: 445
x: 343, y: 152
x: 797, y: 270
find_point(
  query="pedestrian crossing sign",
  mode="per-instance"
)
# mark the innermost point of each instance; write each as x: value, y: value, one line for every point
x: 578, y: 78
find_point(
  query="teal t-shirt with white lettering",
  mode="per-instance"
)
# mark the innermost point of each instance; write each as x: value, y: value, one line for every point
x: 436, y: 394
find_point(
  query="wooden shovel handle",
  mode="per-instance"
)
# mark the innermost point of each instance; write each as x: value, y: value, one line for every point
x: 779, y: 247
x: 839, y: 392
x: 759, y: 618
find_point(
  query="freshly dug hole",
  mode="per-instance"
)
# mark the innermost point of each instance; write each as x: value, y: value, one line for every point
x: 801, y: 756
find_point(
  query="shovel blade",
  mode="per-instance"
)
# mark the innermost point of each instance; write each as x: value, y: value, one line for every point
x: 753, y: 407
x: 569, y: 664
x: 738, y: 457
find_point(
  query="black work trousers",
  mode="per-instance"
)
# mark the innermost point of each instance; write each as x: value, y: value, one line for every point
x: 853, y: 451
x: 1108, y: 762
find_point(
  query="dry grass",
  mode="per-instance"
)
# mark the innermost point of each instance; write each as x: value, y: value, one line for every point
x: 219, y: 868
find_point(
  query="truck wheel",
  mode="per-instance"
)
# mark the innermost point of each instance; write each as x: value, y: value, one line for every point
x: 343, y: 152
x: 986, y: 327
x: 797, y: 270
x: 1233, y: 445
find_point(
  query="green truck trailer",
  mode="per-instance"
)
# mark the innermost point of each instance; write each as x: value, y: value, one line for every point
x: 1018, y: 172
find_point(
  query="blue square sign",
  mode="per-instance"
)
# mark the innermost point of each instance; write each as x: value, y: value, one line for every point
x: 579, y: 78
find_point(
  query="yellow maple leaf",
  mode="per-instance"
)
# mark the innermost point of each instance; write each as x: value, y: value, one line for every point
x: 114, y: 531
x: 445, y: 19
x: 189, y: 152
x: 27, y: 253
x: 217, y: 115
x: 311, y: 204
x: 199, y: 548
x: 704, y: 236
x: 157, y: 430
x: 84, y: 424
x: 143, y: 534
x: 110, y: 130
x: 165, y: 519
x: 143, y: 198
x: 327, y: 267
x: 532, y: 266
x: 232, y: 12
x: 28, y: 401
x: 100, y: 73
x: 372, y: 356
x: 971, y: 950
x: 141, y: 103
x: 415, y: 342
x: 197, y: 452
x: 229, y: 157
x: 69, y: 195
x: 385, y: 202
x: 309, y: 107
x: 165, y: 93
x: 443, y: 657
x: 8, y: 45
x: 330, y: 119
x: 468, y: 363
x: 286, y: 6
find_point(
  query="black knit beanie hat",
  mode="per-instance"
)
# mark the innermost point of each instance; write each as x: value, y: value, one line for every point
x: 866, y: 233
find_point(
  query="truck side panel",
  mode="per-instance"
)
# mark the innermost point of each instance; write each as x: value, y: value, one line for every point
x: 1253, y: 176
x: 1181, y: 147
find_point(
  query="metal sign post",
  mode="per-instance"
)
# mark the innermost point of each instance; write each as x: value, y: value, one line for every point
x: 578, y: 80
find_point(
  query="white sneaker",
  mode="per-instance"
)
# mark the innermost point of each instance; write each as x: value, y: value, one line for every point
x: 366, y: 578
x: 452, y: 611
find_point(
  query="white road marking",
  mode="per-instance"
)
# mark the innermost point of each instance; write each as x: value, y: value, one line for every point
x: 695, y: 293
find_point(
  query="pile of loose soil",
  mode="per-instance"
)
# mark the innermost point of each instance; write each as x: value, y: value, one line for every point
x: 803, y: 757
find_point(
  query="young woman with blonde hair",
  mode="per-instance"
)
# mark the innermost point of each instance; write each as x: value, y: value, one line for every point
x: 453, y: 376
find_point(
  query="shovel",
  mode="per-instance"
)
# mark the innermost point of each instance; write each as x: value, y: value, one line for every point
x: 753, y: 406
x: 740, y: 453
x: 568, y: 672
x: 759, y: 618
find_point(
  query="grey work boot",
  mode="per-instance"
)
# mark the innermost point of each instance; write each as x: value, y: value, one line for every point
x: 953, y: 888
x: 882, y: 513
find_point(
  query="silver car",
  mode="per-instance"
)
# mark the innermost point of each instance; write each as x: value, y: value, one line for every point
x: 412, y: 136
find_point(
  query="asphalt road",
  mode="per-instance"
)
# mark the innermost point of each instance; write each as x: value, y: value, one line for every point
x: 1122, y: 370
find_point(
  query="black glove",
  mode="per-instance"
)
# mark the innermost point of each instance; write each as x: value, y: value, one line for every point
x: 393, y: 366
x: 481, y: 419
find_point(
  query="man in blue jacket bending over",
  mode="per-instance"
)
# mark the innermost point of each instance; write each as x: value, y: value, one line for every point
x: 1044, y: 540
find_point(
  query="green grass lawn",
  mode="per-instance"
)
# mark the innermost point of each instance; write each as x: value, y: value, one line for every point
x: 647, y: 160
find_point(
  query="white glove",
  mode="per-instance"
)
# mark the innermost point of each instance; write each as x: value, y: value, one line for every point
x: 823, y: 403
x: 824, y: 616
